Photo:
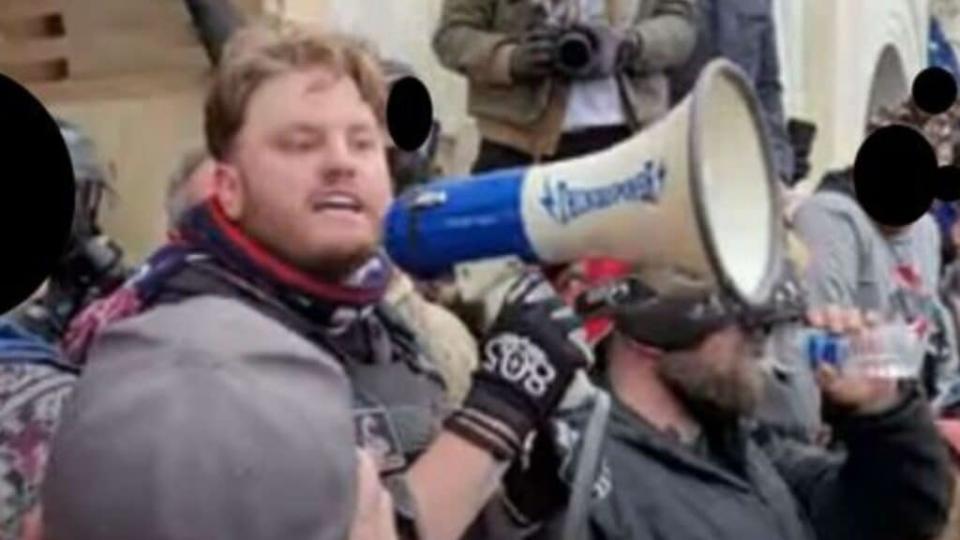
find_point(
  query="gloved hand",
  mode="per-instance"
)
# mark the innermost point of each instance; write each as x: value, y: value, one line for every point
x: 533, y: 58
x: 527, y: 362
x: 613, y: 51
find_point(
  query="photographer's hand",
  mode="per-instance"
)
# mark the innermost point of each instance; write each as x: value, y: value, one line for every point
x: 533, y: 58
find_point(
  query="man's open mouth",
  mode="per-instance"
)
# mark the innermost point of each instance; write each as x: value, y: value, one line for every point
x: 336, y: 201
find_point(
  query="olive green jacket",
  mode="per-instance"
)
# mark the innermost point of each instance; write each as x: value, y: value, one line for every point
x: 476, y: 38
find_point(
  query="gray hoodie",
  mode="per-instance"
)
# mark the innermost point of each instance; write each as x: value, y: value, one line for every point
x: 853, y: 264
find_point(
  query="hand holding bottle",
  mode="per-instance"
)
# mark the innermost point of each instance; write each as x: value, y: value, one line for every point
x: 858, y: 359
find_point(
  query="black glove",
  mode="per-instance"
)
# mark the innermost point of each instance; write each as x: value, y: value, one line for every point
x: 612, y: 51
x: 533, y: 58
x: 527, y: 361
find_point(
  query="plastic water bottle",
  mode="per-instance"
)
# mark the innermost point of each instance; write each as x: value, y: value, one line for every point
x: 891, y: 351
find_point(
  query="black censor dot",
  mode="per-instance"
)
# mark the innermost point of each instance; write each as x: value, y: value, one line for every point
x: 895, y: 175
x: 934, y: 90
x: 409, y: 113
x: 948, y: 183
x: 37, y: 201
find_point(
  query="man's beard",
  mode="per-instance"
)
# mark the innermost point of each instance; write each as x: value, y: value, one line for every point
x: 337, y: 266
x: 334, y: 265
x: 713, y: 391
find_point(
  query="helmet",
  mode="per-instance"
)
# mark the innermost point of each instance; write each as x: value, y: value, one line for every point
x: 92, y: 263
x: 89, y: 176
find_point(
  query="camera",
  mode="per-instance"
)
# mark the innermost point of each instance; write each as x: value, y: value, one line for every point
x: 575, y: 51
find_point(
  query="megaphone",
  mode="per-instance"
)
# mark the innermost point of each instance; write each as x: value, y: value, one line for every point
x: 695, y: 192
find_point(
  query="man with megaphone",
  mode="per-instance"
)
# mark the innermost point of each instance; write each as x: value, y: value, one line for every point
x: 215, y: 404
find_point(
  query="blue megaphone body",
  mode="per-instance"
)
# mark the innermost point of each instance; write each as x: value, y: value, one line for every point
x: 433, y: 227
x: 694, y: 191
x: 444, y: 223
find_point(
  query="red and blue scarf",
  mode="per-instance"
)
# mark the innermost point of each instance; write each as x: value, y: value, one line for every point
x: 205, y: 235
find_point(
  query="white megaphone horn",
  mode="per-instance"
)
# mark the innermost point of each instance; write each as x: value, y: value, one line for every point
x: 695, y: 192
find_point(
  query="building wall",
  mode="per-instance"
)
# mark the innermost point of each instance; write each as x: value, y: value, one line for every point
x: 140, y: 139
x: 145, y: 116
x: 841, y: 59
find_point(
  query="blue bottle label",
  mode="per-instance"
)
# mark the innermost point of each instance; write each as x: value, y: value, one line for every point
x: 824, y: 348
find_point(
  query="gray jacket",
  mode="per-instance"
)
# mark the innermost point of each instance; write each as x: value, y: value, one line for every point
x: 204, y: 419
x: 894, y: 483
x: 851, y: 263
x: 231, y: 397
x: 742, y: 31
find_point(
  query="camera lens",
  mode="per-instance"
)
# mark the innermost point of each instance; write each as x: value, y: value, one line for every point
x: 574, y: 51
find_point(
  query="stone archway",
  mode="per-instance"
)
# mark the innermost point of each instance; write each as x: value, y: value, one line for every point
x: 889, y: 84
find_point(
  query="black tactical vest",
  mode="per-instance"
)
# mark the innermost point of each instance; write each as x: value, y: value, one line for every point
x: 399, y: 396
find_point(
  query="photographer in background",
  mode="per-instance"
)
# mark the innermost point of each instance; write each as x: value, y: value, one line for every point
x: 556, y: 79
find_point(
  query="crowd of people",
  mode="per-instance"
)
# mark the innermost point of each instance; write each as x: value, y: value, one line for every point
x: 269, y: 373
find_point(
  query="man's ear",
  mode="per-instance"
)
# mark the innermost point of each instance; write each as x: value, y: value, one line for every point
x: 228, y: 189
